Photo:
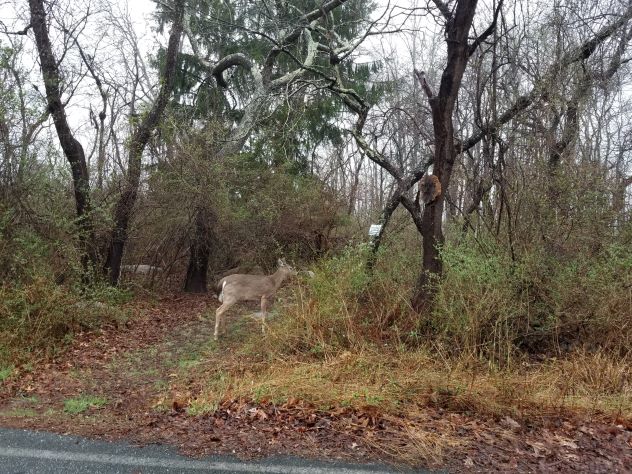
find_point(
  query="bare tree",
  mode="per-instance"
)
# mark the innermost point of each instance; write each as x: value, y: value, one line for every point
x: 137, y: 143
x: 73, y: 150
x: 22, y: 115
x: 428, y: 220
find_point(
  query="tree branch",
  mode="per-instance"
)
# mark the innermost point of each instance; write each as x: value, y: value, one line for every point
x: 295, y: 34
x: 236, y: 59
x: 22, y: 32
x: 581, y: 52
x: 444, y: 9
x: 421, y: 77
x: 485, y: 34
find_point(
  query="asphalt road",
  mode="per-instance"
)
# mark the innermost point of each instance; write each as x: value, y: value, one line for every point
x: 24, y: 452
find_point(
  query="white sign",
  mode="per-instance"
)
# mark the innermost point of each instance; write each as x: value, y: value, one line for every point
x: 375, y: 229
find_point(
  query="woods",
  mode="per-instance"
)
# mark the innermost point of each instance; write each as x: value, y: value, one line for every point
x: 490, y: 142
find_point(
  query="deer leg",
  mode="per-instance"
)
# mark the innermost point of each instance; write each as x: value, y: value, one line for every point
x: 218, y: 317
x: 264, y: 309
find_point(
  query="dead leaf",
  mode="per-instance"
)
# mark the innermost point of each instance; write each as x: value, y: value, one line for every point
x: 538, y: 448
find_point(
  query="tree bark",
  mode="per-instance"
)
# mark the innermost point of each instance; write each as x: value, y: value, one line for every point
x: 138, y: 141
x: 70, y: 145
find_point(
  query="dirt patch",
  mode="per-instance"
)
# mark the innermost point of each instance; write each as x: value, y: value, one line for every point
x: 131, y: 372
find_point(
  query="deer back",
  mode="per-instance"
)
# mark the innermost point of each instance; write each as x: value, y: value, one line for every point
x: 242, y: 287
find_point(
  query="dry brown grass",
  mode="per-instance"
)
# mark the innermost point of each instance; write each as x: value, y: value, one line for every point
x: 347, y: 340
x: 397, y: 380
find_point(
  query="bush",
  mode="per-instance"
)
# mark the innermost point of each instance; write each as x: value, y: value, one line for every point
x: 344, y: 307
x: 477, y: 311
x: 489, y: 306
x: 38, y: 318
x: 589, y: 301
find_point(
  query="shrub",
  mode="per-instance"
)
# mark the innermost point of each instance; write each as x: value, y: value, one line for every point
x: 39, y: 317
x: 489, y: 306
x: 590, y: 301
x: 343, y: 307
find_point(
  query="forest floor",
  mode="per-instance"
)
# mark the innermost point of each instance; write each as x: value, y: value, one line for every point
x: 140, y: 382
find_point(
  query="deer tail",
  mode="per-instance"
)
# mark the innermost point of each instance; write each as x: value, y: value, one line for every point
x: 219, y: 290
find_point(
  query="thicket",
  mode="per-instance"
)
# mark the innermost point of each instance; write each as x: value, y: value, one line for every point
x: 487, y: 307
x: 543, y: 297
x: 260, y: 213
x: 510, y: 331
x: 44, y: 298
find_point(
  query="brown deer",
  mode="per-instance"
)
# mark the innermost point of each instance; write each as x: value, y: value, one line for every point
x: 241, y: 287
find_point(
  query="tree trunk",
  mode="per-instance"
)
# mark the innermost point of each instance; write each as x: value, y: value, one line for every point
x: 70, y: 145
x: 458, y: 25
x: 385, y: 217
x: 618, y: 200
x: 199, y: 252
x: 138, y: 141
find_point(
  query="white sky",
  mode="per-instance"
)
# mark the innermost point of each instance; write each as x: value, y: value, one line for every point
x: 14, y: 16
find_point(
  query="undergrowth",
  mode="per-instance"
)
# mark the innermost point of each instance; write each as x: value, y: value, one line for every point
x: 43, y: 300
x: 38, y: 318
x: 504, y: 338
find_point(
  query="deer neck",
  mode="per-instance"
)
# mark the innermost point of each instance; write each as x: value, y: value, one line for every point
x: 278, y: 277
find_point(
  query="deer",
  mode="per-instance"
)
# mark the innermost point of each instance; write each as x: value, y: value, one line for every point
x: 140, y: 269
x: 243, y: 287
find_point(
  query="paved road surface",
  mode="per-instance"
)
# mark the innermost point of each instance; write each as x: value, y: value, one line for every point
x: 24, y: 452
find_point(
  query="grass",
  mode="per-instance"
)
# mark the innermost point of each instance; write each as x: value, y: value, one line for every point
x: 401, y: 383
x: 80, y: 404
x: 29, y: 399
x: 332, y: 346
x: 20, y: 413
x: 188, y: 363
x: 397, y: 380
x: 5, y: 373
x: 38, y: 317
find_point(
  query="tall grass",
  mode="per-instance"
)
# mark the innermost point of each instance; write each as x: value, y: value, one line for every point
x: 42, y: 300
x: 343, y: 307
x: 39, y: 317
x: 491, y: 307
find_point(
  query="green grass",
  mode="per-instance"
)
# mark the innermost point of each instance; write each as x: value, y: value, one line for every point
x: 5, y: 373
x: 161, y: 385
x: 25, y: 399
x: 188, y: 363
x: 82, y: 403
